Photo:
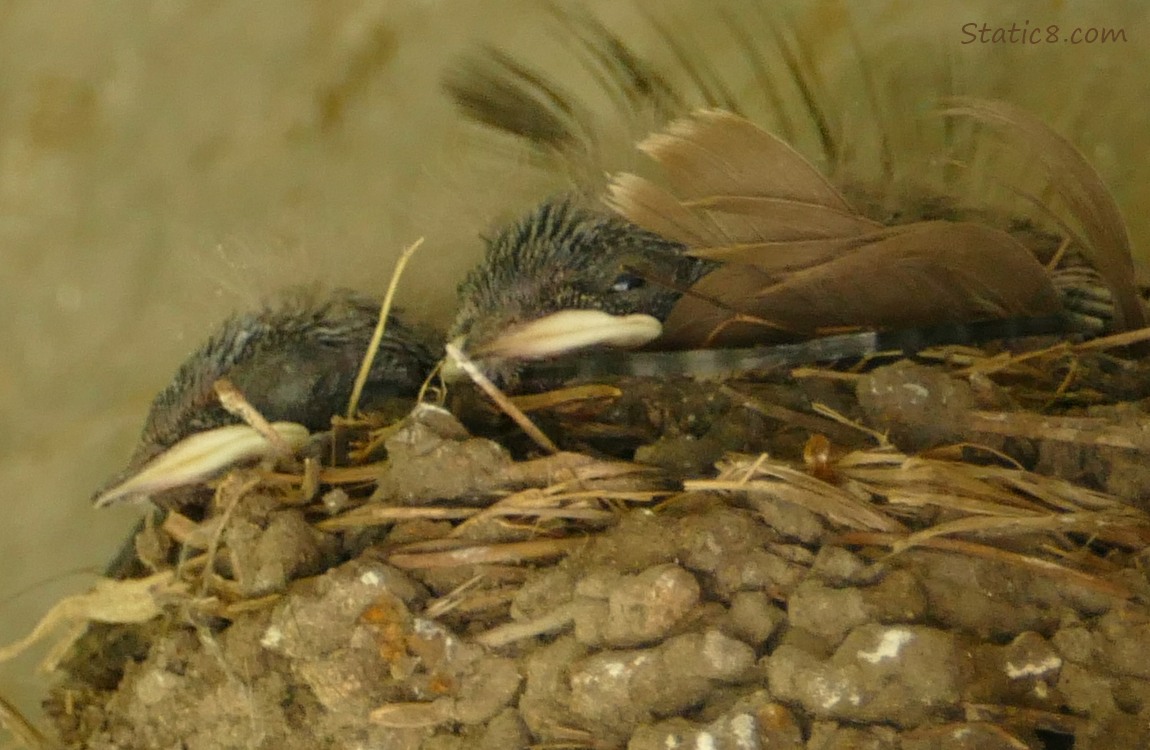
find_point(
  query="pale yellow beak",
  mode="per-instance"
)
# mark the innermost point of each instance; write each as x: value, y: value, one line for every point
x: 561, y: 333
x: 200, y: 456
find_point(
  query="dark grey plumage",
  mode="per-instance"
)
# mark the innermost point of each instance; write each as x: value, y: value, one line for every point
x: 563, y: 256
x: 295, y: 360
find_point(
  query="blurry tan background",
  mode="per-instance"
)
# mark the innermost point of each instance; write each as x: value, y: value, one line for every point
x: 164, y: 162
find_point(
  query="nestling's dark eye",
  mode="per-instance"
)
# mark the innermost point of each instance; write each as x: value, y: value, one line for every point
x: 627, y: 281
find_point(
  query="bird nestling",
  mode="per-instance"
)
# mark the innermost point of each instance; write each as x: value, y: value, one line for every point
x: 743, y: 242
x: 567, y: 277
x: 295, y: 361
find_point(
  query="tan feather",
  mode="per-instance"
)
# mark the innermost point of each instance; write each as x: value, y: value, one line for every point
x: 718, y: 308
x: 725, y: 220
x: 778, y: 257
x: 773, y: 219
x: 798, y: 260
x: 1081, y: 188
x: 735, y: 185
x: 712, y: 153
x: 919, y: 274
x: 786, y: 256
x: 644, y: 203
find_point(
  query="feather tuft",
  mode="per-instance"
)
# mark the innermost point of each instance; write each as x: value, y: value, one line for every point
x: 1081, y: 188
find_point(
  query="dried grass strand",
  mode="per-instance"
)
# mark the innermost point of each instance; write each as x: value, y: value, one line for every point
x: 513, y: 552
x: 380, y: 327
x: 501, y: 400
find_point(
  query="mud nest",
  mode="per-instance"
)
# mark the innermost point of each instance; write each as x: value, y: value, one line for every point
x: 944, y: 553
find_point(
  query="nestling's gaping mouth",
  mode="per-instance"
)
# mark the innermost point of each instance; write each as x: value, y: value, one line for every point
x: 561, y: 333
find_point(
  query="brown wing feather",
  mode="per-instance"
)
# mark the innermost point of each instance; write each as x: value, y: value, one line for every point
x: 644, y: 203
x: 773, y: 219
x: 735, y: 185
x: 925, y: 273
x: 724, y: 220
x: 713, y: 153
x: 798, y: 260
x: 788, y: 255
x: 1083, y: 191
x: 718, y: 303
